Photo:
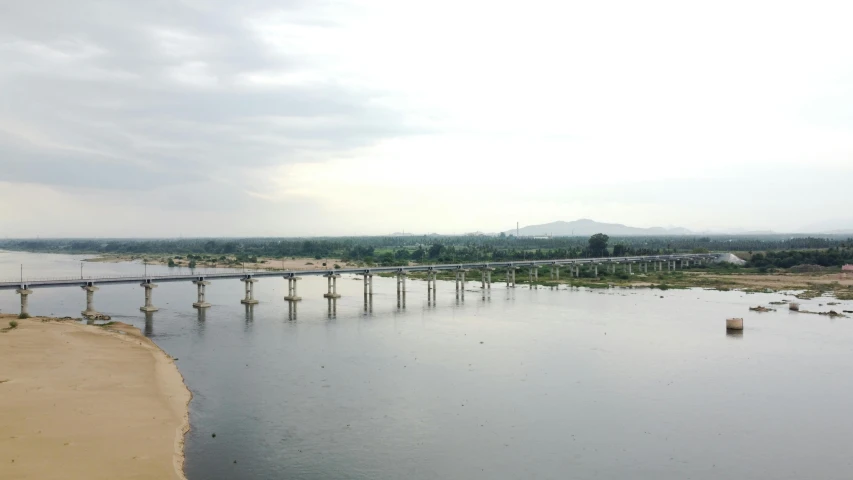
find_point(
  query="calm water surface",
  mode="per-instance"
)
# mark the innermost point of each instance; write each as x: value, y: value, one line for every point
x: 523, y: 383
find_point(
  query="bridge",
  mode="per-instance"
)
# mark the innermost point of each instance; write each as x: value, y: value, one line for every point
x: 25, y: 287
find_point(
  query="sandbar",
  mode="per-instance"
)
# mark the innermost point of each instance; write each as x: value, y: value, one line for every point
x: 88, y: 402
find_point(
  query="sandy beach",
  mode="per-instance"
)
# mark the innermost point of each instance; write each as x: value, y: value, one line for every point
x: 88, y: 402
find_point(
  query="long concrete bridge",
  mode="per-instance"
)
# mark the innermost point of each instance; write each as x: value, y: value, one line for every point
x: 24, y: 288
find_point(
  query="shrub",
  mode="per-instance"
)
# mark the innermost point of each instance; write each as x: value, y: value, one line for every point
x: 13, y: 324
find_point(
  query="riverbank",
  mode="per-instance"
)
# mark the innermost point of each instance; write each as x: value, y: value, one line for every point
x: 809, y: 285
x: 88, y: 402
x: 261, y: 263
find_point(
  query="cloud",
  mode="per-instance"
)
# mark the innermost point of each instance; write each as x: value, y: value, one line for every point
x: 304, y: 117
x: 118, y: 95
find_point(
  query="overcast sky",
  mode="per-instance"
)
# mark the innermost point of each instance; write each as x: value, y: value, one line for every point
x: 310, y: 117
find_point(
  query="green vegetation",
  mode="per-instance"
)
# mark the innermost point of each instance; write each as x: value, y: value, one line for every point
x: 835, y: 256
x: 777, y: 251
x: 13, y: 324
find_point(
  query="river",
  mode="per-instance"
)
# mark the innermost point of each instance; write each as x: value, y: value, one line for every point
x: 520, y: 383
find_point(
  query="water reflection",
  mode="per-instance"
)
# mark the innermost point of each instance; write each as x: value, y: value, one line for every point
x: 201, y: 320
x: 734, y: 333
x: 368, y: 304
x: 291, y: 310
x: 401, y: 300
x: 332, y: 307
x: 149, y: 324
x: 249, y: 314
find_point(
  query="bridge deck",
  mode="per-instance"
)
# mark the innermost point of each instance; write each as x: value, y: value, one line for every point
x: 81, y: 282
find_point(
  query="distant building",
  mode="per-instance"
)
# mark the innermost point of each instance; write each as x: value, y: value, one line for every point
x: 847, y: 268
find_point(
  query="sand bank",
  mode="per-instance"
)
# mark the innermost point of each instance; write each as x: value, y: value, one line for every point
x: 88, y: 402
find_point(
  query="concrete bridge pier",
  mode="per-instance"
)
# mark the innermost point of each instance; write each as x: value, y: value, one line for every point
x: 292, y: 295
x: 401, y: 283
x: 595, y: 266
x: 430, y: 285
x: 332, y: 280
x: 510, y: 277
x: 201, y: 303
x: 534, y: 276
x: 460, y: 280
x: 401, y: 289
x: 630, y: 270
x: 368, y: 284
x: 250, y: 291
x: 24, y: 293
x: 646, y: 267
x: 149, y: 307
x: 90, y: 301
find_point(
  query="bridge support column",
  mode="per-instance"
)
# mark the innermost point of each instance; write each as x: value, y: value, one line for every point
x: 630, y: 270
x: 460, y: 280
x: 292, y: 295
x: 369, y: 280
x: 431, y: 290
x: 596, y: 270
x: 250, y: 291
x: 488, y: 273
x: 24, y: 293
x: 401, y: 282
x: 646, y: 267
x: 90, y: 301
x: 510, y: 277
x: 149, y: 307
x: 201, y: 303
x: 333, y: 286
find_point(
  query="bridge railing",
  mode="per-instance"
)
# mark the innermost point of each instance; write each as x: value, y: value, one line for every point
x: 230, y: 272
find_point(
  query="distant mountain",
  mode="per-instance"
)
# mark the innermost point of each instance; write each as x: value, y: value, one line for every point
x: 838, y: 226
x: 586, y: 227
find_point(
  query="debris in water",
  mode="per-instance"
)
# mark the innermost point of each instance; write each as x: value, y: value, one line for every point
x: 761, y: 309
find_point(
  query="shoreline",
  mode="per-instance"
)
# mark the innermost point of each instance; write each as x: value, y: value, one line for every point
x: 95, y: 401
x: 262, y: 263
